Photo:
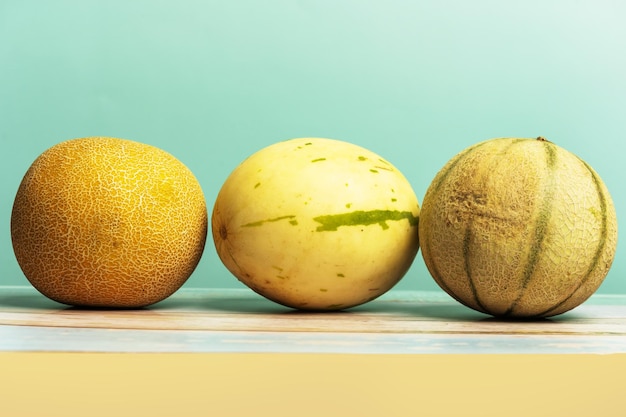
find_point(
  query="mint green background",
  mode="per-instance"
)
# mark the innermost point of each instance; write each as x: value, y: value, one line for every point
x: 214, y: 81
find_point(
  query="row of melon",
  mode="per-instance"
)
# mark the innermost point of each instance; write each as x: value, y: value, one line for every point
x: 509, y: 227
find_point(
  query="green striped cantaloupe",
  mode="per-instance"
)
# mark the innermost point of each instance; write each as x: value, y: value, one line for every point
x: 316, y: 224
x: 518, y: 228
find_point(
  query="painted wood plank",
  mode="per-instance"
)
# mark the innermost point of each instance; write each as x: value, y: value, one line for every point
x: 242, y: 321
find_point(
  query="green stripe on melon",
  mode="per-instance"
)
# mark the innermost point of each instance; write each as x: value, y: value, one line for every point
x: 542, y: 222
x: 518, y: 228
x: 600, y: 249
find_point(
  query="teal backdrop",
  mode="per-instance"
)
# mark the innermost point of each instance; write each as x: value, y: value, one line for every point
x: 214, y: 81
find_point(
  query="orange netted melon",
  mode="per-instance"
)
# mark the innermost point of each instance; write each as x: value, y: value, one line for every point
x: 107, y: 222
x: 316, y: 224
x: 518, y: 228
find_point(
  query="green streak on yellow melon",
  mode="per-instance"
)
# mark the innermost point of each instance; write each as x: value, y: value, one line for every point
x: 275, y: 219
x: 332, y: 222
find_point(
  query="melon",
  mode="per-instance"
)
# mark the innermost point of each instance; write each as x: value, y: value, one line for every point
x: 316, y: 224
x: 108, y: 222
x: 518, y: 228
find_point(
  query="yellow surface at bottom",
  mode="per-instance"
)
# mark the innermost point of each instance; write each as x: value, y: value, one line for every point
x: 301, y: 385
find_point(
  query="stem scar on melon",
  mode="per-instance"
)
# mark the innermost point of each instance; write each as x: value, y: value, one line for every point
x: 221, y: 238
x: 223, y: 231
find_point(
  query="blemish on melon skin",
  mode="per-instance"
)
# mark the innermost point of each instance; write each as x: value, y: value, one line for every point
x: 332, y: 222
x: 596, y: 213
x: 318, y: 160
x: 257, y: 185
x: 383, y: 168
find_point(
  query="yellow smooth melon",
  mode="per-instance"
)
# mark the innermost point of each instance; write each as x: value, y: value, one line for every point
x: 518, y: 228
x: 108, y: 222
x: 316, y: 224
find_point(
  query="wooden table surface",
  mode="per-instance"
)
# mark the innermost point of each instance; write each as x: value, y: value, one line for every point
x: 238, y: 320
x: 233, y: 353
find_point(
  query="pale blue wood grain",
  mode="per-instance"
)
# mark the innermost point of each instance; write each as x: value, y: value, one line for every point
x: 23, y: 338
x: 427, y: 315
